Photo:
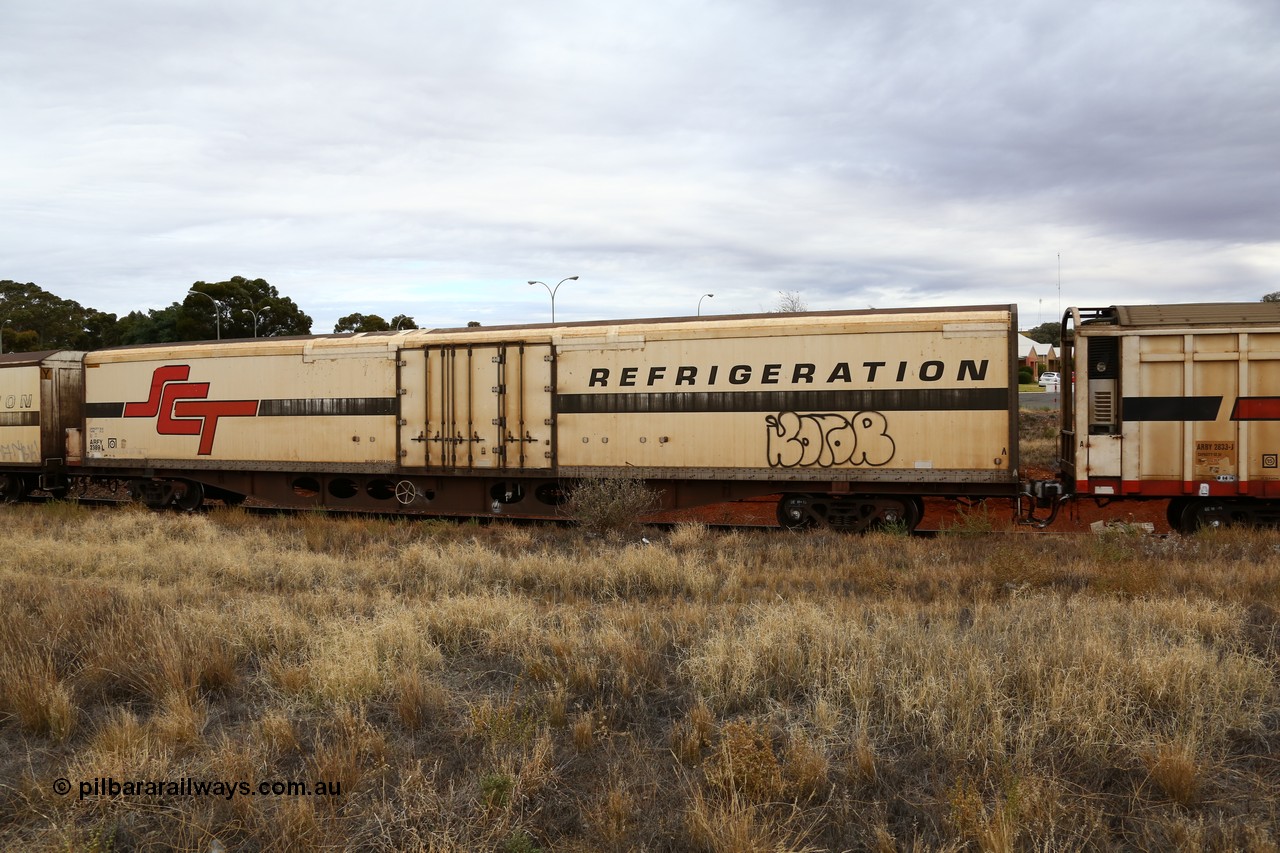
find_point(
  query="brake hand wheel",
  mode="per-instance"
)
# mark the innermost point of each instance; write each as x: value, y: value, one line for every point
x: 406, y: 492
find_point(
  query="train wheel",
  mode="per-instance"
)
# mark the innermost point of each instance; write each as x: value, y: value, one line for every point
x: 12, y: 488
x: 907, y: 515
x: 190, y: 498
x: 155, y: 495
x: 795, y: 512
x: 1198, y: 515
x: 1173, y: 514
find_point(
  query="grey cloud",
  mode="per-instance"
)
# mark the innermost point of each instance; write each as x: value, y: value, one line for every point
x: 857, y: 152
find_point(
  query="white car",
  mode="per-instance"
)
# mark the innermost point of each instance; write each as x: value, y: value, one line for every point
x: 1049, y: 381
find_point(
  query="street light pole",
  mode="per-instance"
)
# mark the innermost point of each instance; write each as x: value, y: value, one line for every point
x: 254, y: 315
x: 704, y: 296
x: 2, y: 325
x: 552, y: 291
x: 217, y: 311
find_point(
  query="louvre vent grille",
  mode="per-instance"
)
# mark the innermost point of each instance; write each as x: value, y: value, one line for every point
x: 1102, y: 406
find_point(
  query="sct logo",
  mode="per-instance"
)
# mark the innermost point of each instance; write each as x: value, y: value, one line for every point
x: 180, y: 407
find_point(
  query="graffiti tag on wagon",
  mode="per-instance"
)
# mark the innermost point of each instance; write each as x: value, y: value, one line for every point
x: 20, y: 451
x: 828, y: 439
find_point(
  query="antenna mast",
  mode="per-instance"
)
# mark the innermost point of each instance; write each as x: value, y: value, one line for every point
x: 1059, y: 299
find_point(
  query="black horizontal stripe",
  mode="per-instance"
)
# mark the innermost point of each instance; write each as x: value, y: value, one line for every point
x: 1170, y: 408
x: 104, y: 410
x: 903, y: 400
x: 328, y: 406
x: 19, y: 419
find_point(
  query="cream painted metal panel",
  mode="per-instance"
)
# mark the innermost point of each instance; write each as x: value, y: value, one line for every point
x: 20, y: 415
x: 940, y: 381
x: 874, y: 444
x: 1260, y: 443
x: 1205, y: 375
x: 460, y: 379
x: 1160, y: 374
x: 484, y: 407
x: 296, y: 403
x: 1104, y: 456
x: 412, y: 389
x: 40, y: 396
x: 527, y: 406
x: 1128, y: 464
x: 1215, y: 443
x: 867, y: 397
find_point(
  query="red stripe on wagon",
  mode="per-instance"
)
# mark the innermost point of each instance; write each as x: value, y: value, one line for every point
x: 1256, y: 409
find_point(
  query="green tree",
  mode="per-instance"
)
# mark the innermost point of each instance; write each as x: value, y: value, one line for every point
x: 134, y: 328
x: 157, y: 325
x: 239, y: 300
x: 403, y: 321
x: 24, y: 341
x: 363, y: 323
x: 1046, y: 333
x: 100, y: 330
x: 1271, y: 297
x: 32, y: 318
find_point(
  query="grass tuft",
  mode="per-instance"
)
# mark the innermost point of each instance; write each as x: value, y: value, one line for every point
x: 1174, y: 769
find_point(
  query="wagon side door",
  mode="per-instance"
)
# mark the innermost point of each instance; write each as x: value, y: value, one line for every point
x: 527, y: 428
x: 487, y: 406
x: 412, y: 390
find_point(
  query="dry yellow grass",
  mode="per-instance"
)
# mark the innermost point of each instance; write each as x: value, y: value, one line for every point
x: 521, y: 688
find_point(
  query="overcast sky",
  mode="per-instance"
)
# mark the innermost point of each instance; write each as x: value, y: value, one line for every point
x: 430, y: 158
